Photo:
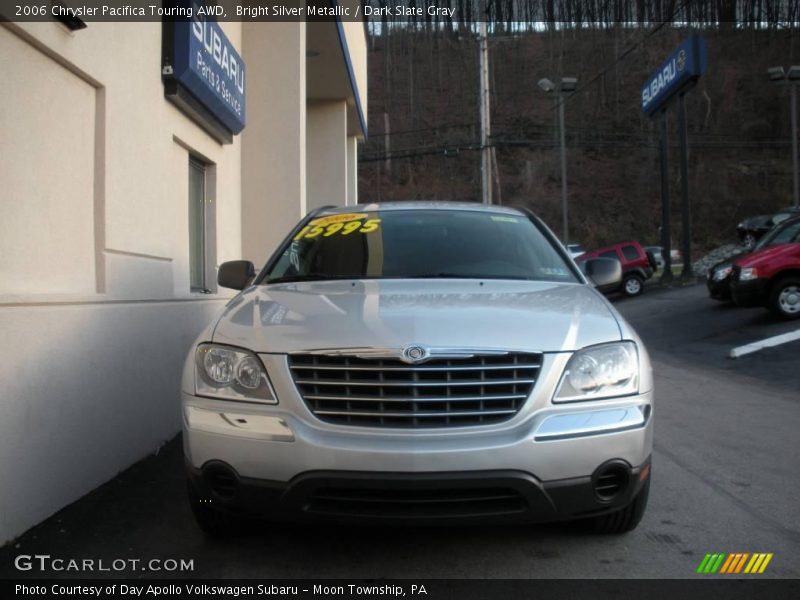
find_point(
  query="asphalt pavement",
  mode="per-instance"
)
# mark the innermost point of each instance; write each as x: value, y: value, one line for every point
x: 724, y: 480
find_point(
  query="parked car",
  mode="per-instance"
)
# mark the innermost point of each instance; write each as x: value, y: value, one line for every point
x: 575, y: 250
x: 770, y: 277
x: 637, y: 266
x: 418, y: 361
x: 719, y: 276
x: 753, y: 228
x: 658, y: 253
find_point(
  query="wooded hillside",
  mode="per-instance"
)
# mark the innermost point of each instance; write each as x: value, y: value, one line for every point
x: 424, y: 123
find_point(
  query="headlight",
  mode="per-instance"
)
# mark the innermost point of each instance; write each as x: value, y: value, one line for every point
x: 748, y: 273
x: 597, y: 372
x: 722, y: 273
x: 231, y: 374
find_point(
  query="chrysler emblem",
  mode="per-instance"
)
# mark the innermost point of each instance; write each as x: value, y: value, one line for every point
x: 414, y: 354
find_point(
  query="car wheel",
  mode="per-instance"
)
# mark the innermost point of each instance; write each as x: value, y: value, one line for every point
x: 632, y: 285
x: 214, y: 522
x: 625, y: 519
x: 749, y: 241
x: 784, y: 298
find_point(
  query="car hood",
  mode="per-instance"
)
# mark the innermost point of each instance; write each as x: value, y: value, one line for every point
x: 767, y: 254
x: 512, y: 315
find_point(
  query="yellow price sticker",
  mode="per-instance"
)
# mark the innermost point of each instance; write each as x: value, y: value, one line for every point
x: 323, y: 221
x: 326, y: 228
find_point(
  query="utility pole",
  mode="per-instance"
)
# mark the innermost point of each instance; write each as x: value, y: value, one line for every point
x: 666, y: 234
x: 564, y: 214
x: 567, y: 86
x: 686, y: 220
x: 795, y: 168
x: 486, y: 157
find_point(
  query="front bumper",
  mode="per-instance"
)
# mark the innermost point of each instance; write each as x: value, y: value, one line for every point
x: 749, y: 293
x: 267, y: 461
x: 719, y: 290
x: 435, y: 498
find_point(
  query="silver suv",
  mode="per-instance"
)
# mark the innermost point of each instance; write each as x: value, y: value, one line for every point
x: 418, y: 361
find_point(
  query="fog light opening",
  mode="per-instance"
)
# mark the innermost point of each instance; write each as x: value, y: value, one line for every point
x: 611, y: 480
x: 221, y: 479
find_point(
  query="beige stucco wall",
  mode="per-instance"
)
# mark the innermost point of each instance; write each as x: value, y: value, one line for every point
x: 356, y: 39
x: 326, y: 153
x: 94, y: 248
x: 274, y: 165
x: 94, y: 267
x: 352, y: 170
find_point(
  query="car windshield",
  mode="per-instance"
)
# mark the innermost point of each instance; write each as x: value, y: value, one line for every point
x: 423, y: 243
x: 783, y: 234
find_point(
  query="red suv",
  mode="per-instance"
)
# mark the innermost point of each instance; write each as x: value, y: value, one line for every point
x: 770, y: 277
x: 637, y: 265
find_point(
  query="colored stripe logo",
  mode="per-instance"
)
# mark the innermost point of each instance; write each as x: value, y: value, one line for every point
x: 735, y: 563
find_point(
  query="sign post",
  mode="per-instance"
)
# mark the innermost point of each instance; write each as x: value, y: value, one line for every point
x: 676, y: 75
x: 666, y: 233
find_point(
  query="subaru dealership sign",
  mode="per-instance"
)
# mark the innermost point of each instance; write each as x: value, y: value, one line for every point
x: 204, y: 74
x: 684, y: 66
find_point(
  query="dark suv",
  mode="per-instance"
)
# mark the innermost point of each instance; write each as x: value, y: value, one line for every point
x: 752, y: 228
x: 637, y: 266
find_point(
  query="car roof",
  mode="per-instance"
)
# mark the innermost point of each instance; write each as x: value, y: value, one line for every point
x: 420, y: 205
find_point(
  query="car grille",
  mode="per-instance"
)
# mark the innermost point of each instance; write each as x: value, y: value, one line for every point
x: 417, y: 504
x: 442, y: 392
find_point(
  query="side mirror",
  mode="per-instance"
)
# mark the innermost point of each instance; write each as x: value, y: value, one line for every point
x: 604, y: 272
x: 236, y: 274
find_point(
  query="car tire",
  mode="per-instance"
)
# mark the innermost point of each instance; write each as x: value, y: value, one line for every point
x: 214, y: 522
x: 749, y: 240
x: 632, y: 285
x: 625, y: 519
x: 784, y: 298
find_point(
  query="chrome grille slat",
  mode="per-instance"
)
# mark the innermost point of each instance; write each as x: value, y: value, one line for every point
x: 416, y: 414
x: 445, y: 391
x: 418, y: 383
x: 410, y: 369
x: 419, y: 399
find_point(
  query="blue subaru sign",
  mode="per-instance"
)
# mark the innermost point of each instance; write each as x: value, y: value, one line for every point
x: 205, y: 63
x: 686, y: 63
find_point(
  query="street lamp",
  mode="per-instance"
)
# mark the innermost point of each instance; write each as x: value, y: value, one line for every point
x: 790, y: 78
x: 568, y: 85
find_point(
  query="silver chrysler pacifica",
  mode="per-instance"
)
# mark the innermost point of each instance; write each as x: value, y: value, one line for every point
x: 418, y: 362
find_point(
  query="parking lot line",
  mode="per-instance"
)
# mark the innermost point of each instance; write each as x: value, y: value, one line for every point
x: 769, y: 342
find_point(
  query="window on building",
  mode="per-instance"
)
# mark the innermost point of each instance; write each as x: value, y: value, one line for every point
x: 630, y: 252
x: 200, y: 207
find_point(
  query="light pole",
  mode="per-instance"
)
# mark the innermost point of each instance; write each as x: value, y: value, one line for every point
x: 792, y: 78
x: 568, y: 84
x: 486, y: 127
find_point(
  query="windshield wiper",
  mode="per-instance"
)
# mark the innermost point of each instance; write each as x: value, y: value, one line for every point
x: 445, y: 275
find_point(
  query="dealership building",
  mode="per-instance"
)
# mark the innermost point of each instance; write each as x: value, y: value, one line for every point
x: 136, y: 157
